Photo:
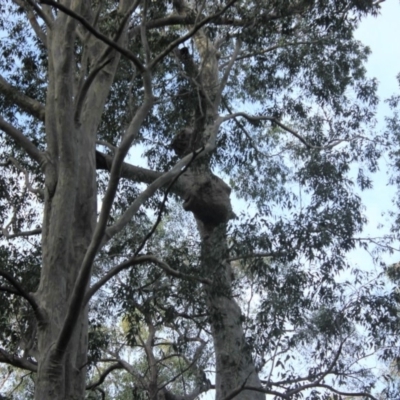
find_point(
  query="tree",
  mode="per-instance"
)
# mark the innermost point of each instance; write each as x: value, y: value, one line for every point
x: 268, y: 94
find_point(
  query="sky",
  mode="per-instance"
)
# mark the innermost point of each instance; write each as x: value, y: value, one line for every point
x: 382, y: 35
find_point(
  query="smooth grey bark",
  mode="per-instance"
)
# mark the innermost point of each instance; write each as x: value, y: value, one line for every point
x: 70, y: 207
x: 234, y: 364
x: 207, y: 196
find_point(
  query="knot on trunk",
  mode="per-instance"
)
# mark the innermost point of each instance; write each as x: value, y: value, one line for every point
x: 207, y: 197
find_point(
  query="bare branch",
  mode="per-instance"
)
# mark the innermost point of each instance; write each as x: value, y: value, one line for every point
x: 33, y: 21
x: 125, y: 52
x: 29, y: 105
x: 8, y: 289
x: 190, y: 364
x: 136, y: 260
x: 246, y: 133
x: 18, y: 362
x: 106, y: 144
x: 104, y: 375
x: 162, y: 206
x: 21, y: 234
x: 323, y: 374
x: 85, y: 88
x: 227, y: 72
x: 21, y: 140
x: 276, y: 121
x: 253, y: 255
x: 128, y: 171
x: 27, y: 296
x: 183, y: 38
x: 332, y: 389
x: 42, y: 14
x: 241, y: 388
x: 168, y: 176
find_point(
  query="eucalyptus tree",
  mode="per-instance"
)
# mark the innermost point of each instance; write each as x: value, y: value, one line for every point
x: 270, y: 96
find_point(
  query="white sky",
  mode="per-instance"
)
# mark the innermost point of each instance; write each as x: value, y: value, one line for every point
x: 382, y: 35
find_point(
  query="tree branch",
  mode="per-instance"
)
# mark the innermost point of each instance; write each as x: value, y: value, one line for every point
x: 136, y: 260
x: 26, y: 103
x: 83, y: 278
x: 254, y: 255
x: 125, y: 52
x: 85, y: 88
x: 128, y: 171
x: 21, y: 140
x: 8, y: 290
x: 276, y: 121
x: 18, y: 362
x: 46, y: 18
x: 21, y: 234
x: 241, y: 388
x: 27, y: 296
x: 168, y: 176
x: 104, y: 375
x: 183, y: 38
x: 33, y: 21
x: 227, y: 72
x: 102, y: 61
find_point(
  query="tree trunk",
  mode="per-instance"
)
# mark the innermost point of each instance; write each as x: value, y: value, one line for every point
x: 234, y: 363
x: 69, y: 217
x: 207, y: 196
x: 69, y: 222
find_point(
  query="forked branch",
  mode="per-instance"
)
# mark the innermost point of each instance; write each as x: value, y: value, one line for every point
x: 125, y: 52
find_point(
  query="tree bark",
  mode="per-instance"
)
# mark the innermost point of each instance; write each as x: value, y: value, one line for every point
x: 234, y: 363
x: 69, y: 217
x: 208, y: 198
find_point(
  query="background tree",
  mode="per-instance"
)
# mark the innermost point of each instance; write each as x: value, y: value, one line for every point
x: 84, y: 84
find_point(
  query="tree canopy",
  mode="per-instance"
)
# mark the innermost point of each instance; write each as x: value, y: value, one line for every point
x: 130, y: 133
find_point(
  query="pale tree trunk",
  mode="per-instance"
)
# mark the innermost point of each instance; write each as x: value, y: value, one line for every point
x: 207, y: 197
x: 234, y: 363
x: 70, y: 207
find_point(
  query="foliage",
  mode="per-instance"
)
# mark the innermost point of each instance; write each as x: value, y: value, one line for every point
x: 272, y: 96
